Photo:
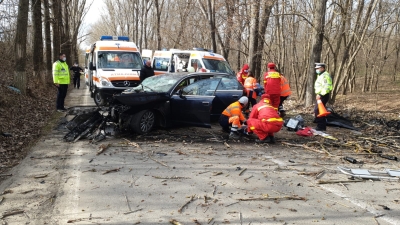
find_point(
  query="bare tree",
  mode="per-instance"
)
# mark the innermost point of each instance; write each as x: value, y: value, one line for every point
x: 37, y: 58
x: 47, y: 34
x: 315, y: 56
x: 20, y: 77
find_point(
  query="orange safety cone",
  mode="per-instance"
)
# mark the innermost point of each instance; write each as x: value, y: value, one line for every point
x: 321, y: 109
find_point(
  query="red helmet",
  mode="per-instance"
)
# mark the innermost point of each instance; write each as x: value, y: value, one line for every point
x: 271, y: 65
x: 265, y: 98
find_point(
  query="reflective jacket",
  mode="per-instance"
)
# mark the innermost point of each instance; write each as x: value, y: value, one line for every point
x: 272, y: 82
x: 61, y: 73
x: 251, y: 84
x: 234, y: 109
x: 265, y: 112
x: 323, y: 84
x: 285, y: 88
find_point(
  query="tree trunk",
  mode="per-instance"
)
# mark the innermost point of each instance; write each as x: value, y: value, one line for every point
x: 65, y: 36
x: 37, y: 58
x: 20, y: 77
x: 253, y: 39
x: 56, y: 18
x: 267, y: 7
x: 315, y: 56
x: 158, y: 19
x: 48, y: 63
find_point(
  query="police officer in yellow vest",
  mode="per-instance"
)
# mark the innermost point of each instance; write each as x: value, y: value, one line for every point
x: 322, y: 86
x: 61, y: 79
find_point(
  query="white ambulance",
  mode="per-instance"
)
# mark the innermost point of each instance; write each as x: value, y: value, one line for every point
x: 196, y: 60
x: 114, y: 65
x: 87, y: 66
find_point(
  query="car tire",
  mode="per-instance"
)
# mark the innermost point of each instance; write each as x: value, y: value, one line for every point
x: 100, y: 101
x: 143, y: 121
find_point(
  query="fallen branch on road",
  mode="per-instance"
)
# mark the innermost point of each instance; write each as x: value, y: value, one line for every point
x: 102, y: 148
x: 192, y: 198
x: 12, y: 212
x: 155, y: 160
x: 338, y: 181
x: 170, y: 178
x: 273, y: 198
x: 175, y: 222
x: 113, y: 170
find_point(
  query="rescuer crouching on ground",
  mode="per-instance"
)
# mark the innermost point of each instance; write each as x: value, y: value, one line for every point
x: 264, y: 121
x: 233, y: 117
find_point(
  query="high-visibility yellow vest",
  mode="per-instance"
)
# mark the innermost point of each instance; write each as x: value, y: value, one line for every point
x: 323, y: 84
x: 61, y: 73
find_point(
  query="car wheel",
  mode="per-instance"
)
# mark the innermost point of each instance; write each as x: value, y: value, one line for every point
x: 100, y: 101
x: 143, y: 121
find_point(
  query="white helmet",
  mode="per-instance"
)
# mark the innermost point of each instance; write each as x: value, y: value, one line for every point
x: 243, y: 100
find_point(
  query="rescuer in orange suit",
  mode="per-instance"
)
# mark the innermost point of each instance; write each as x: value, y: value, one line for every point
x: 250, y: 84
x: 233, y: 116
x: 264, y: 121
x: 272, y: 85
x: 243, y: 74
x: 285, y: 93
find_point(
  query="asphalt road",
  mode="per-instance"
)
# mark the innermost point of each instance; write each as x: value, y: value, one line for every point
x: 169, y: 177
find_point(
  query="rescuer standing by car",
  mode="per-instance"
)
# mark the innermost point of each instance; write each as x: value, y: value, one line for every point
x: 61, y: 80
x: 272, y: 85
x: 146, y: 71
x: 323, y: 87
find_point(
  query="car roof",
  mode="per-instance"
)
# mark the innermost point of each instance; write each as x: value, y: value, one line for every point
x: 184, y: 74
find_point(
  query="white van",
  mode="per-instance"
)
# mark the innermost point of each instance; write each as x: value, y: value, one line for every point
x: 114, y: 65
x: 197, y: 60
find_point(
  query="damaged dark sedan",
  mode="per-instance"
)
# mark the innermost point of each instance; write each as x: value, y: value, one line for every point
x: 175, y: 98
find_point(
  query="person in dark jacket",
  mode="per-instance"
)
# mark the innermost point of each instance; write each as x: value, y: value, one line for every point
x: 77, y: 75
x: 146, y: 71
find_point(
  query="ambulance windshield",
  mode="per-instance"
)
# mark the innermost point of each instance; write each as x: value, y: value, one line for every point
x: 217, y: 66
x: 119, y: 60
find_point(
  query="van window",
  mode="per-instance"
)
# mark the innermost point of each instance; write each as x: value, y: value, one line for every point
x: 160, y: 64
x: 217, y: 66
x: 119, y: 60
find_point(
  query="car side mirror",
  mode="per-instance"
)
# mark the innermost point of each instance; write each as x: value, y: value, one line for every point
x: 91, y: 67
x: 180, y: 93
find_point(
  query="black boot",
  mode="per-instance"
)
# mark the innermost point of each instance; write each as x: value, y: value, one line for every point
x: 266, y: 140
x: 234, y: 135
x: 272, y: 139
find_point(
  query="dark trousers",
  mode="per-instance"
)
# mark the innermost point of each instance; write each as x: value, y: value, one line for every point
x: 282, y: 99
x: 77, y: 81
x: 321, y: 121
x: 224, y: 122
x: 252, y: 100
x: 61, y: 94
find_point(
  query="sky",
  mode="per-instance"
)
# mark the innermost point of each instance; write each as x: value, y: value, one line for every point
x: 94, y: 12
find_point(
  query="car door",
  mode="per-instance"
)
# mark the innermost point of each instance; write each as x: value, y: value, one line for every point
x: 229, y: 90
x: 193, y: 103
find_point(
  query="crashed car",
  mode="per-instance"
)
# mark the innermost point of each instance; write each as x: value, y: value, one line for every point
x: 175, y: 98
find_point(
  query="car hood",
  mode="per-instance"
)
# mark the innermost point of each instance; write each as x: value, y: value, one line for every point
x: 141, y: 98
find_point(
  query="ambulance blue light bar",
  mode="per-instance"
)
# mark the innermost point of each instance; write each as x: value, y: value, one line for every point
x: 114, y: 38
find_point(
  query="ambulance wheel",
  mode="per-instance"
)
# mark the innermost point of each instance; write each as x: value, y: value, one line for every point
x: 98, y: 99
x: 143, y: 121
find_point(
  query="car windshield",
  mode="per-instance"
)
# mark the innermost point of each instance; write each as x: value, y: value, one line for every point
x: 217, y: 66
x: 161, y: 83
x: 119, y: 60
